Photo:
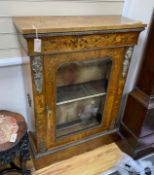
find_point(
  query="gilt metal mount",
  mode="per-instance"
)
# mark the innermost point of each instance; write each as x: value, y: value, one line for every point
x: 37, y: 70
x: 126, y: 62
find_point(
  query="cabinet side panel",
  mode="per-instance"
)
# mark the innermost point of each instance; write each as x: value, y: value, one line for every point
x: 29, y: 96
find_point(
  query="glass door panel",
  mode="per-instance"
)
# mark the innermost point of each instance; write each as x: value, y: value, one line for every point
x: 80, y: 95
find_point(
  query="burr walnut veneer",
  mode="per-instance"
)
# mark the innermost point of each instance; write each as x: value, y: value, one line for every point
x: 77, y: 78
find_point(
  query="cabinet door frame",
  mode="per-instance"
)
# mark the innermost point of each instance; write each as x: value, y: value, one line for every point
x: 114, y: 91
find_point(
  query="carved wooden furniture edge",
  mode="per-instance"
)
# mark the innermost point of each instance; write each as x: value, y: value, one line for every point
x: 48, y: 24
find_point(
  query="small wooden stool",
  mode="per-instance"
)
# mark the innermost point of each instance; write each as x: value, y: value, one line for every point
x: 14, y: 142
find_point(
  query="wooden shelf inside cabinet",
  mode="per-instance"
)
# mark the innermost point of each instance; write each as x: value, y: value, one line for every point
x: 73, y: 93
x: 77, y: 80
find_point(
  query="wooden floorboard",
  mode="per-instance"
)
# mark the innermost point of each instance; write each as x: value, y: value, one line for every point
x: 90, y: 163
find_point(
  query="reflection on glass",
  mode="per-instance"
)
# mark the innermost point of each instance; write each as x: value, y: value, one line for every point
x: 81, y: 92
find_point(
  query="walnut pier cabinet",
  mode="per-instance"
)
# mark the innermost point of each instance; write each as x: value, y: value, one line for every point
x: 78, y: 68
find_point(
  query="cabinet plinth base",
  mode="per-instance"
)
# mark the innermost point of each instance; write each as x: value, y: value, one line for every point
x: 63, y: 152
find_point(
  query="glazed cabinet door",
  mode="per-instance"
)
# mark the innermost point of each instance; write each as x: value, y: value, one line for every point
x: 82, y: 93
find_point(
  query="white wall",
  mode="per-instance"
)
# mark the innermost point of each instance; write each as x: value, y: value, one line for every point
x: 12, y: 95
x: 138, y: 10
x: 12, y: 89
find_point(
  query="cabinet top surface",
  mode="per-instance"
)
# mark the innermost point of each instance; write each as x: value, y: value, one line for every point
x: 47, y: 24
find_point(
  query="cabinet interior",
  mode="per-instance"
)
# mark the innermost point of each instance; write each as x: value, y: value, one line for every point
x: 81, y: 89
